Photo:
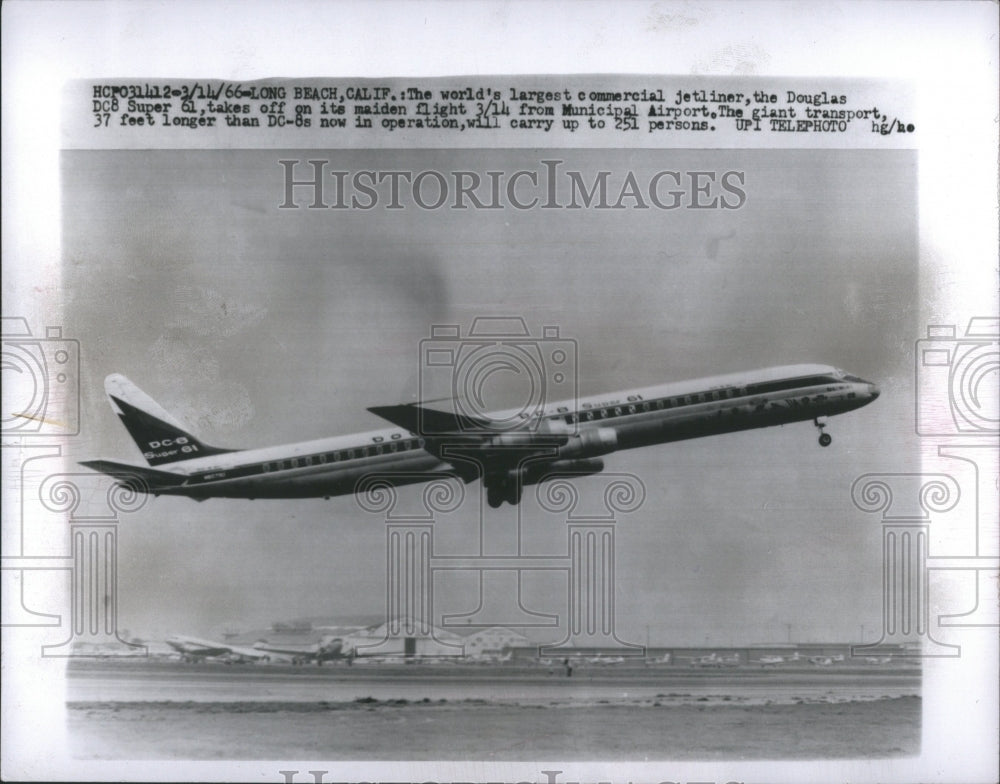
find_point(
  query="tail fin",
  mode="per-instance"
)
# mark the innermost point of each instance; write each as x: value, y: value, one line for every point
x: 160, y: 437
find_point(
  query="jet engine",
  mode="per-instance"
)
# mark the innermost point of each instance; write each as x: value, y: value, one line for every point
x: 590, y: 443
x: 534, y: 474
x: 507, y: 485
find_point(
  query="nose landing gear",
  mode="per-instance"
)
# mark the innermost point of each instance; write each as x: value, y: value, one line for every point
x: 825, y: 439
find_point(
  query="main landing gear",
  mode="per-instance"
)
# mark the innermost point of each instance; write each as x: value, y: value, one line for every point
x: 825, y: 439
x: 503, y: 487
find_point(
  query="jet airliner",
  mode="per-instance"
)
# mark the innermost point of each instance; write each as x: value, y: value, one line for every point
x: 508, y: 450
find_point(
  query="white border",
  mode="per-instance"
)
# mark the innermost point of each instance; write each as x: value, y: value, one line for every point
x: 948, y: 50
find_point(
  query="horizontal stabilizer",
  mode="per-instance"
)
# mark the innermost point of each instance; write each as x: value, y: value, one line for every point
x: 139, y: 477
x: 428, y: 421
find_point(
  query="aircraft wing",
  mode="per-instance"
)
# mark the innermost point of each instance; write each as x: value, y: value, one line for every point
x: 465, y: 441
x: 194, y: 647
x: 328, y: 647
x: 247, y: 653
x: 429, y: 421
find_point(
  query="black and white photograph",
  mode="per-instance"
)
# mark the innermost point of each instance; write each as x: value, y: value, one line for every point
x: 547, y: 422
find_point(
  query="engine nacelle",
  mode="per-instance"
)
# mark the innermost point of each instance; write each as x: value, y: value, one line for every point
x: 522, y: 439
x: 590, y: 443
x: 535, y: 474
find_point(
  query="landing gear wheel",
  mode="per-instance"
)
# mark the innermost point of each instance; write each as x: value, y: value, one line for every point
x: 503, y: 488
x: 513, y: 492
x: 825, y: 439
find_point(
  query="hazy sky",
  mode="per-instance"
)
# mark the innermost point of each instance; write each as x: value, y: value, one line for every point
x: 259, y: 326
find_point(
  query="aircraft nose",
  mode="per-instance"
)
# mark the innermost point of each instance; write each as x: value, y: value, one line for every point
x: 873, y: 390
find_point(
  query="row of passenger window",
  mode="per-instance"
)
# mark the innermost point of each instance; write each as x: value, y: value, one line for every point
x: 588, y: 415
x: 344, y: 454
x: 791, y: 383
x: 593, y: 414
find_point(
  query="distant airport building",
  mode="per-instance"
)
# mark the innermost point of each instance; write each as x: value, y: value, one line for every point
x: 405, y: 637
x: 497, y: 642
x: 411, y: 638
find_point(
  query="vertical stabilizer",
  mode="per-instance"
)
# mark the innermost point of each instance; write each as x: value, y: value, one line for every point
x: 159, y: 436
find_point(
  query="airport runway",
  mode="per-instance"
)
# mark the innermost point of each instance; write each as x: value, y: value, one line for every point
x: 169, y: 710
x: 129, y: 681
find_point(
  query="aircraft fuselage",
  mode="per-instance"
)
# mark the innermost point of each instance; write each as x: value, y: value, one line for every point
x: 565, y: 435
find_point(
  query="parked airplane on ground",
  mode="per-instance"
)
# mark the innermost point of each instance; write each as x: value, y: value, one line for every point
x: 606, y: 660
x: 193, y: 648
x: 772, y: 661
x: 327, y: 648
x: 568, y: 437
x: 714, y: 660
